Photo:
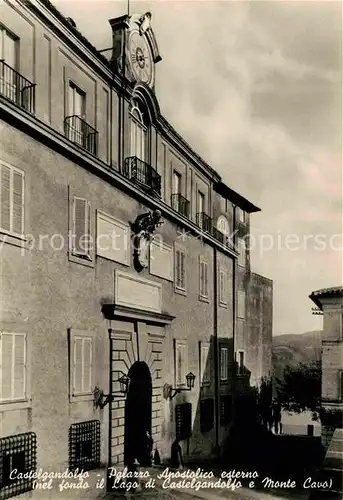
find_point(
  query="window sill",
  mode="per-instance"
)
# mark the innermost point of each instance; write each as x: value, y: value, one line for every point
x: 205, y: 383
x: 224, y: 382
x: 80, y: 398
x: 223, y: 304
x: 180, y: 291
x: 12, y: 239
x: 204, y: 298
x: 15, y: 405
x: 78, y: 259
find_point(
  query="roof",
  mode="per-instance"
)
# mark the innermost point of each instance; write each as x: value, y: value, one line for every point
x: 336, y: 291
x: 236, y: 198
x: 219, y: 186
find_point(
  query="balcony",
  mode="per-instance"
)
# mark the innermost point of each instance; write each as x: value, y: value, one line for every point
x: 142, y: 173
x: 78, y: 131
x: 204, y: 221
x: 218, y: 235
x: 16, y: 88
x: 180, y: 204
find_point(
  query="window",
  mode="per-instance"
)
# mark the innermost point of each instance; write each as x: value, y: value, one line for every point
x: 240, y: 363
x: 11, y: 199
x: 341, y: 385
x: 84, y: 445
x: 222, y: 287
x: 82, y: 368
x: 225, y: 409
x: 203, y: 279
x: 241, y: 305
x: 205, y: 369
x: 13, y: 368
x: 176, y: 183
x: 81, y: 242
x: 77, y: 109
x: 137, y: 133
x: 242, y: 252
x: 8, y: 53
x: 183, y: 421
x: 180, y: 362
x: 180, y: 270
x: 201, y: 202
x: 223, y: 225
x: 224, y: 363
x: 206, y: 414
x: 240, y: 215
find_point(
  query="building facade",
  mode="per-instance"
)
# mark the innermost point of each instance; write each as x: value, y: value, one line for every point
x: 330, y: 302
x: 117, y: 257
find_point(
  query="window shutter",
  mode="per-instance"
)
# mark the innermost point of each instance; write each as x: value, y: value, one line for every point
x: 87, y: 365
x: 182, y: 269
x: 81, y: 224
x: 18, y: 199
x: 19, y: 389
x: 77, y: 378
x: 6, y: 365
x: 204, y: 363
x: 205, y: 279
x: 5, y: 198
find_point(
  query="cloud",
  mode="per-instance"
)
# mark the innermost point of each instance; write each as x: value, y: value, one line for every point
x: 255, y: 88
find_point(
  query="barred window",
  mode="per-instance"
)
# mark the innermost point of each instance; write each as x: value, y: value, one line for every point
x: 183, y: 419
x: 224, y: 363
x: 18, y: 452
x: 84, y: 445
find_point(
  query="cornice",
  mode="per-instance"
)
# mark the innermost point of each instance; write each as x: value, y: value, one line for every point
x: 46, y: 135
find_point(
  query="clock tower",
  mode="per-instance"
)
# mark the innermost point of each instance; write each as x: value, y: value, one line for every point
x: 135, y: 50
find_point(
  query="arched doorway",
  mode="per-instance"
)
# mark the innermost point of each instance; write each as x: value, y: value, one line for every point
x: 138, y: 414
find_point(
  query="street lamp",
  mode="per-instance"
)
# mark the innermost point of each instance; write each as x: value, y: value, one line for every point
x: 101, y: 399
x: 172, y: 391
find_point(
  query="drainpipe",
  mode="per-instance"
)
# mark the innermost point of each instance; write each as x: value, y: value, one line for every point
x: 234, y: 305
x: 215, y: 347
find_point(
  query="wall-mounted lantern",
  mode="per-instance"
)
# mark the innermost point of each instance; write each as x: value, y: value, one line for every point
x: 172, y: 391
x: 101, y: 399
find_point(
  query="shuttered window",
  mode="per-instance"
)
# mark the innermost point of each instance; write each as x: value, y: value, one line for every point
x: 241, y: 305
x: 222, y: 287
x: 82, y: 365
x: 205, y: 371
x: 203, y: 281
x: 11, y: 199
x: 242, y: 252
x: 183, y: 421
x: 180, y: 271
x: 240, y: 362
x: 81, y: 228
x: 224, y: 363
x: 180, y: 350
x: 12, y: 366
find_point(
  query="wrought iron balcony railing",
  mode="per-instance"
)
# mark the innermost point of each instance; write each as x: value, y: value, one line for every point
x: 16, y: 88
x: 138, y: 171
x: 180, y: 204
x: 204, y: 221
x: 80, y: 132
x: 219, y: 235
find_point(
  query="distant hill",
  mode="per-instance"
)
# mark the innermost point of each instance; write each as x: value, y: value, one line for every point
x: 294, y: 349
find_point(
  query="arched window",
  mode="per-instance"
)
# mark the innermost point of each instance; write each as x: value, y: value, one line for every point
x: 138, y: 132
x: 223, y: 225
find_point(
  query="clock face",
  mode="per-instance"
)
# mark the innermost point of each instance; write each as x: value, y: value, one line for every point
x: 141, y: 62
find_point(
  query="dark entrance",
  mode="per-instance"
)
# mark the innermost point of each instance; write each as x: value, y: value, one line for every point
x: 138, y: 415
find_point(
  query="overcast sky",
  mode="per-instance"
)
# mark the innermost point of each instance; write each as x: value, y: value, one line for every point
x: 256, y: 88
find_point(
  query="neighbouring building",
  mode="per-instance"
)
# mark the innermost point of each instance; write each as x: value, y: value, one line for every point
x: 330, y: 302
x: 118, y: 273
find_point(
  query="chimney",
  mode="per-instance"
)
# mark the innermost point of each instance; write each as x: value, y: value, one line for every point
x: 118, y: 25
